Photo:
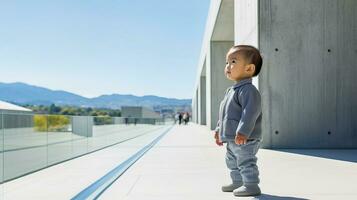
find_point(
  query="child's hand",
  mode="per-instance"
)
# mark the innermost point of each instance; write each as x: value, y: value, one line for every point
x: 241, y: 139
x: 218, y: 141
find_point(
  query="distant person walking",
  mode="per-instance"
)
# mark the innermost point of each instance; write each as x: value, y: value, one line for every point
x: 186, y: 118
x: 180, y: 118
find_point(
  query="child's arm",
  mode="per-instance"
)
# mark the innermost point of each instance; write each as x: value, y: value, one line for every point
x: 250, y: 101
x: 216, y: 134
x: 218, y: 140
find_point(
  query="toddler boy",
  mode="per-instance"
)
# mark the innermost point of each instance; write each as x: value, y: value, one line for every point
x: 239, y: 124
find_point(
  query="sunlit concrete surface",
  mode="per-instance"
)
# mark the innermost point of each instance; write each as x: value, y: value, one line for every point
x: 186, y: 164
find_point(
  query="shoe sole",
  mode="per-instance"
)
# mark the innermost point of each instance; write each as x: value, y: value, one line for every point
x: 226, y: 190
x: 247, y: 195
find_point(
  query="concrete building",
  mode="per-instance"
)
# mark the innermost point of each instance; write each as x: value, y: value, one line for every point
x: 308, y: 79
x: 138, y: 112
x: 13, y: 116
x: 8, y: 107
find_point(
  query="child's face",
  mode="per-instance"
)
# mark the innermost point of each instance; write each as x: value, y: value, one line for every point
x: 236, y: 68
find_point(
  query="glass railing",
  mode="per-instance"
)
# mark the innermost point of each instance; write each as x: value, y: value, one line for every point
x: 31, y: 142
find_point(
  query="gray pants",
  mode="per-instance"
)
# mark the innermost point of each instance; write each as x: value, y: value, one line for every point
x: 242, y: 162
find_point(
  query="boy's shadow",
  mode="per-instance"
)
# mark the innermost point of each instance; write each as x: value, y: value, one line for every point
x: 273, y: 197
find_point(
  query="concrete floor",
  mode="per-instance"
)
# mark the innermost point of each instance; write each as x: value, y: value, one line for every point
x: 186, y: 164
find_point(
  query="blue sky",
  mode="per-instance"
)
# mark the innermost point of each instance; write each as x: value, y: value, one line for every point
x: 140, y: 47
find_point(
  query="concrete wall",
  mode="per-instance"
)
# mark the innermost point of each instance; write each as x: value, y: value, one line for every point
x: 131, y: 111
x: 138, y: 112
x: 218, y: 38
x: 246, y: 25
x: 216, y: 82
x: 196, y: 107
x: 82, y: 125
x: 308, y: 81
x: 149, y: 113
x: 202, y: 101
x: 118, y: 120
x: 194, y: 114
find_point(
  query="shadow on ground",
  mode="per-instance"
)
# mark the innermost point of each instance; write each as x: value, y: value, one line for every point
x: 273, y: 197
x: 349, y: 155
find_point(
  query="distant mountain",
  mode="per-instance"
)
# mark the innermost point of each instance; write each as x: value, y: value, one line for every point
x: 22, y: 93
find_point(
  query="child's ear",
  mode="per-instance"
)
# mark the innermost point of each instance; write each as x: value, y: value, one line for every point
x: 250, y: 68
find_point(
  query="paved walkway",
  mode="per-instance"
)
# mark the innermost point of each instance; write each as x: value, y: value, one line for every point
x: 186, y: 165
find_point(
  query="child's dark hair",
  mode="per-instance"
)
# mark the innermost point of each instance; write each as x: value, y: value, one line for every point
x: 251, y: 54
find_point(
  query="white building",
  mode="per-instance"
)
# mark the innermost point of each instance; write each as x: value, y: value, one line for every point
x: 5, y: 106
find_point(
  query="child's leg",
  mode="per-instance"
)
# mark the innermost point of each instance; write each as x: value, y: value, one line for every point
x: 247, y: 162
x: 232, y: 163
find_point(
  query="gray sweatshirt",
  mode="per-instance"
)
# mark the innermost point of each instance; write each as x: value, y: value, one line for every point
x: 240, y: 112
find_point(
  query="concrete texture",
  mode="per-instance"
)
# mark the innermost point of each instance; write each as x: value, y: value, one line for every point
x: 186, y: 164
x: 307, y: 80
x: 246, y: 22
x: 82, y: 125
x: 246, y: 26
x: 216, y: 82
x: 202, y: 101
x: 219, y: 27
x: 224, y: 22
x: 138, y: 112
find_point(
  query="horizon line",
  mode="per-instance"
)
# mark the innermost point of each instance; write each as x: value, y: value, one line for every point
x: 85, y: 96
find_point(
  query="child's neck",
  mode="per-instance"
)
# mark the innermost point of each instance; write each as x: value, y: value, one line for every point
x: 241, y: 79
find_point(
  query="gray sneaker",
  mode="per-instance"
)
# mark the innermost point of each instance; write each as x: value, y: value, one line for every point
x: 251, y: 190
x: 231, y: 187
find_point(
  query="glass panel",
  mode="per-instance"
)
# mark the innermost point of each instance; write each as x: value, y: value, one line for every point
x: 102, y: 127
x: 116, y: 131
x: 31, y: 142
x: 25, y: 144
x: 81, y: 131
x: 59, y: 130
x: 1, y: 156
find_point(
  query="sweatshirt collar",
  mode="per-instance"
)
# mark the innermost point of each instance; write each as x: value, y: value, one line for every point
x: 242, y: 82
